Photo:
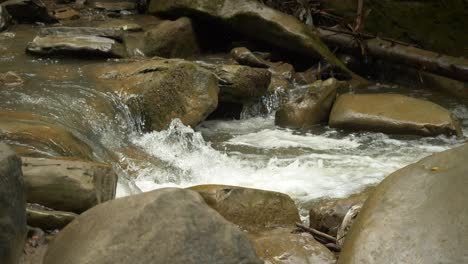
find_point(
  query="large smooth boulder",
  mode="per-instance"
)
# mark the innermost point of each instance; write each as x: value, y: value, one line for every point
x: 68, y: 185
x: 282, y: 246
x: 32, y: 135
x: 238, y: 83
x: 416, y: 215
x: 393, y: 114
x: 78, y: 41
x: 12, y: 207
x: 172, y: 39
x: 161, y: 90
x: 251, y: 209
x: 310, y: 109
x: 28, y: 11
x: 163, y: 226
x: 327, y: 214
x: 254, y: 20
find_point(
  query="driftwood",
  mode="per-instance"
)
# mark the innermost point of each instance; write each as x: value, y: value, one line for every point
x: 447, y: 66
x: 315, y: 233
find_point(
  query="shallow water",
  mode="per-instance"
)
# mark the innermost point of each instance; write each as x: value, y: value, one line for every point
x: 251, y: 152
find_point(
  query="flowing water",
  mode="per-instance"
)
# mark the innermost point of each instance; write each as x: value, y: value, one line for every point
x: 250, y: 152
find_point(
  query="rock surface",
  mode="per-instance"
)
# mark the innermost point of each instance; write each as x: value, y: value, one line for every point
x: 240, y: 84
x: 5, y: 19
x: 416, y: 215
x: 393, y: 114
x: 310, y: 109
x: 162, y: 90
x: 282, y: 246
x: 68, y: 185
x: 254, y: 20
x: 31, y: 135
x: 163, y: 226
x: 48, y: 219
x: 172, y: 39
x: 28, y: 11
x: 12, y: 207
x: 77, y: 41
x: 251, y: 209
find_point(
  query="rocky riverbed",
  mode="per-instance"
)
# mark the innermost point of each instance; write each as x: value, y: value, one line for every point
x: 217, y: 132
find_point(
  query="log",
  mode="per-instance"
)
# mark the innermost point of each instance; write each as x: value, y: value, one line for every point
x: 447, y: 66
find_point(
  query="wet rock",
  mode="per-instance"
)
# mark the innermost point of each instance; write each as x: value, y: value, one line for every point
x: 78, y: 41
x: 172, y: 39
x: 393, y: 114
x: 254, y: 20
x: 68, y: 185
x: 416, y: 215
x: 119, y: 25
x: 28, y: 11
x: 310, y: 109
x: 251, y: 209
x: 66, y: 13
x: 48, y: 219
x: 282, y: 246
x: 163, y: 226
x: 10, y: 79
x: 240, y: 84
x: 162, y: 90
x: 245, y: 57
x: 327, y: 215
x: 13, y: 206
x: 5, y: 19
x: 31, y: 135
x: 306, y: 77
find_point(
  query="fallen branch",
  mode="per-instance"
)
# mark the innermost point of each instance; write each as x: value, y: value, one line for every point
x: 315, y: 232
x: 448, y: 66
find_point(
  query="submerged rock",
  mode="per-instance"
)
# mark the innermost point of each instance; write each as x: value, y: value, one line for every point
x: 13, y: 207
x: 48, y: 219
x: 10, y: 79
x: 240, y: 84
x: 393, y: 114
x: 282, y: 246
x: 327, y: 215
x: 163, y: 226
x: 310, y: 109
x: 68, y: 185
x: 28, y: 11
x: 416, y: 215
x: 31, y: 135
x: 78, y: 41
x: 163, y: 90
x: 172, y: 39
x: 251, y: 209
x: 254, y: 20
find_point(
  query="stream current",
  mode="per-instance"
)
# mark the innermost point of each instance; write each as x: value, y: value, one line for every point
x: 250, y: 152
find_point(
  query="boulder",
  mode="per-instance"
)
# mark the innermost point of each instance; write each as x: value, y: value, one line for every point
x: 245, y: 57
x: 163, y: 226
x: 251, y: 209
x: 326, y: 215
x: 282, y: 246
x: 310, y: 109
x: 416, y: 215
x: 31, y: 135
x: 393, y: 114
x: 254, y: 20
x: 238, y: 83
x: 28, y: 11
x: 68, y: 185
x: 48, y: 219
x: 12, y: 207
x: 5, y: 19
x: 171, y: 39
x: 78, y: 41
x: 161, y: 90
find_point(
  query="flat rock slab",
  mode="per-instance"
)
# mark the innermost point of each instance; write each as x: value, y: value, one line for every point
x: 418, y: 214
x: 393, y: 114
x: 48, y: 219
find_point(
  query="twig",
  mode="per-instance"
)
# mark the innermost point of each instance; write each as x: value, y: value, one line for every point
x: 316, y: 232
